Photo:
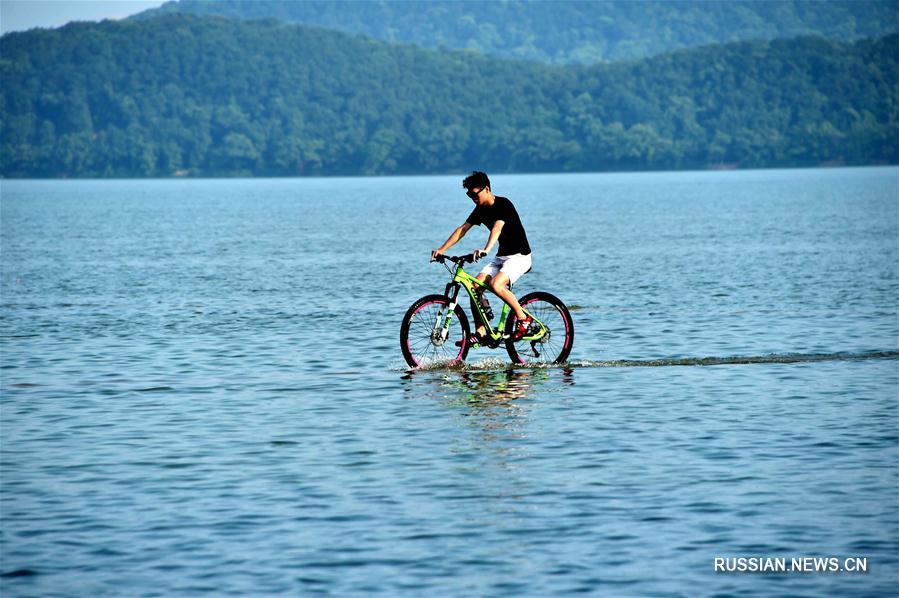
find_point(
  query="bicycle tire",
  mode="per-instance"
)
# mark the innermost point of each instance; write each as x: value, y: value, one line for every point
x: 416, y: 333
x: 550, y: 310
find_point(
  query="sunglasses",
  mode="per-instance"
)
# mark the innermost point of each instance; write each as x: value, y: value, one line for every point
x: 474, y: 194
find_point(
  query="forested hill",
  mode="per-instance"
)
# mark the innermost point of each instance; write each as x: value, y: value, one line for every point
x: 573, y: 31
x: 185, y: 94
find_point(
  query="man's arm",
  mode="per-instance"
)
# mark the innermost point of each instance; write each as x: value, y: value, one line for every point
x: 453, y: 239
x: 491, y: 240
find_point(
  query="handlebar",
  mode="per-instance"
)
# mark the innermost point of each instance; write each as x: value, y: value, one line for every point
x: 456, y: 259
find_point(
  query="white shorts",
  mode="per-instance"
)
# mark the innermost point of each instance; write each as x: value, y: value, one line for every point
x: 512, y: 266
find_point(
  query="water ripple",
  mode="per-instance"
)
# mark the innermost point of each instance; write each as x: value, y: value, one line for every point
x: 202, y: 390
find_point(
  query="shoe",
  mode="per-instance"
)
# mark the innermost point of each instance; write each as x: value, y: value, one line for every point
x: 526, y: 327
x: 473, y: 342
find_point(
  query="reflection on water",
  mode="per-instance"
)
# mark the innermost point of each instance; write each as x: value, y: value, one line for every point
x: 483, y: 391
x: 487, y: 391
x: 496, y: 403
x: 492, y: 439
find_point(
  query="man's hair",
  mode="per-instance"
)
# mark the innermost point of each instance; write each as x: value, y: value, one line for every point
x: 476, y: 179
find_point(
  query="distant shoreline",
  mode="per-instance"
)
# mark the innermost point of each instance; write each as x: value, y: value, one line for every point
x: 447, y: 174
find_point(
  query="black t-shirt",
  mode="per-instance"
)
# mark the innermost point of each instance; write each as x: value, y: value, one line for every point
x: 512, y: 238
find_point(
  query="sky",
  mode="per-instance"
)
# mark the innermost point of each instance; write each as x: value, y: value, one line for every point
x: 19, y: 15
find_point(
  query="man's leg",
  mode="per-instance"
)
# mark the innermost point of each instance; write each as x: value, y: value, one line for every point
x: 500, y: 286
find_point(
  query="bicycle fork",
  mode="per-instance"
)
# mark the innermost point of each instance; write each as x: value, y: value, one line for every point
x: 442, y: 324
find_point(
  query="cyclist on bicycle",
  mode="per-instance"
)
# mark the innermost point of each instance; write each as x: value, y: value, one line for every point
x: 513, y: 256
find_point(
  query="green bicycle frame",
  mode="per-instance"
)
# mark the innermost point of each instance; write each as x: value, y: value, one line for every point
x: 470, y: 283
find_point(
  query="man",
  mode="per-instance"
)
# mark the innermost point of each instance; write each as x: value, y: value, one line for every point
x: 513, y: 256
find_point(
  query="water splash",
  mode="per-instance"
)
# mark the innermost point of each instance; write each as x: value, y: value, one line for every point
x: 739, y: 360
x: 492, y: 364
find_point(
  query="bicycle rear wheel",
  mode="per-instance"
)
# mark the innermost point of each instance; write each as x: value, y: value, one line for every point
x: 552, y: 347
x: 426, y: 337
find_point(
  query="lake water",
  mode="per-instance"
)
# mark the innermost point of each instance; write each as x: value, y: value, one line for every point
x: 203, y: 391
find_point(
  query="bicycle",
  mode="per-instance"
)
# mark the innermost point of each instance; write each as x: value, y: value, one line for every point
x: 435, y: 328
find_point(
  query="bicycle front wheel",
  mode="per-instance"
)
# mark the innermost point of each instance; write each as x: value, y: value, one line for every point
x: 431, y: 335
x: 555, y: 344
